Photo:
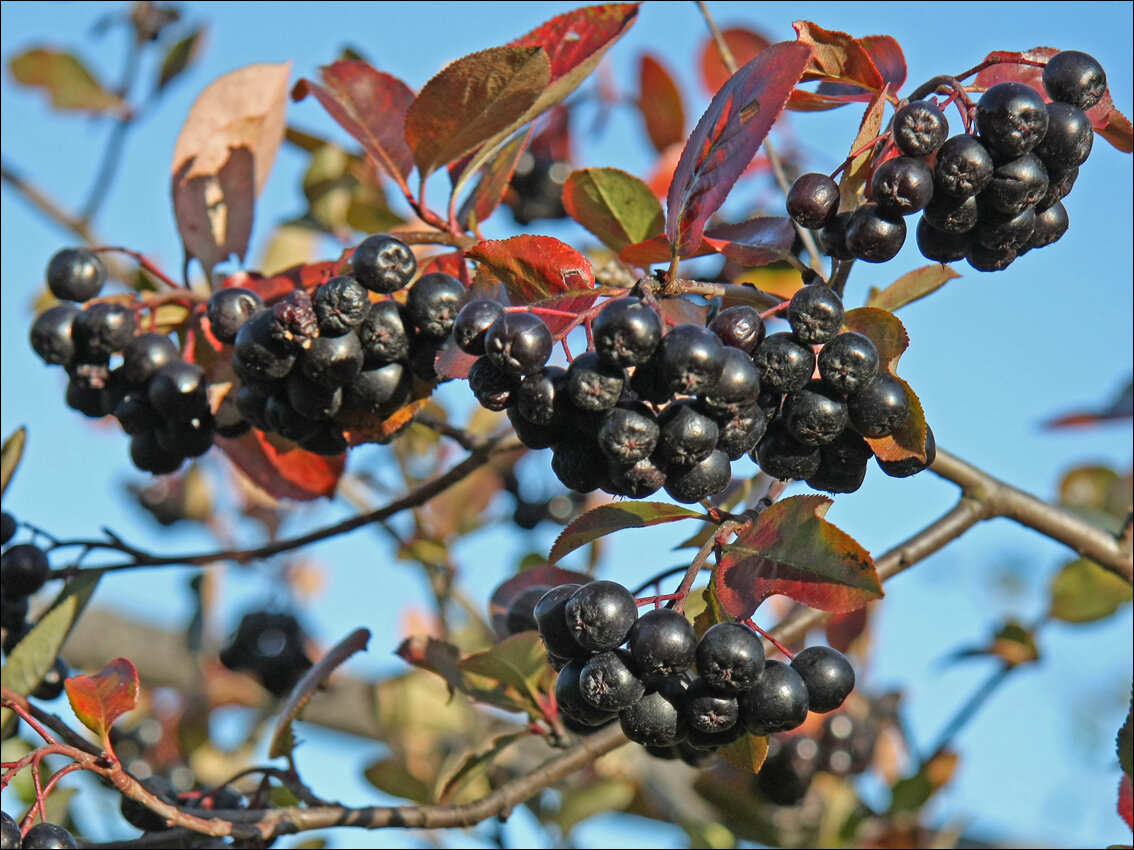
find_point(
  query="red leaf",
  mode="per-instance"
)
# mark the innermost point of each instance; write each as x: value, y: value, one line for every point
x: 451, y: 262
x: 536, y: 268
x: 370, y: 105
x: 504, y: 594
x: 485, y: 198
x: 573, y: 38
x: 752, y: 243
x: 659, y: 101
x: 888, y: 58
x: 1126, y: 801
x: 792, y: 550
x: 99, y: 700
x: 283, y: 470
x: 451, y: 362
x: 742, y: 43
x: 843, y: 630
x: 838, y: 57
x: 727, y: 137
x: 368, y: 428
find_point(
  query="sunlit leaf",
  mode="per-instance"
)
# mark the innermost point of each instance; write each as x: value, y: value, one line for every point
x: 747, y: 753
x: 64, y: 77
x: 473, y: 765
x: 911, y: 287
x: 606, y: 519
x: 615, y: 206
x: 99, y: 700
x: 10, y: 456
x: 861, y: 153
x: 282, y: 469
x: 742, y: 43
x: 1083, y: 592
x: 659, y: 101
x: 913, y: 792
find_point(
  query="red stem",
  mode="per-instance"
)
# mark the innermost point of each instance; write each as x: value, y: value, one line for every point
x: 144, y: 263
x: 665, y: 597
x: 751, y: 624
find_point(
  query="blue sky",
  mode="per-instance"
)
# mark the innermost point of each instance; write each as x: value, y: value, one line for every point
x: 991, y: 356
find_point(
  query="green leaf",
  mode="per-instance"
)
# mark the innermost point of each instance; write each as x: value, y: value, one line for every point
x: 596, y: 797
x: 792, y: 550
x: 64, y: 77
x: 473, y: 765
x: 910, y: 287
x: 1014, y: 644
x: 712, y: 613
x: 747, y: 753
x: 179, y: 57
x: 472, y: 100
x: 913, y: 792
x: 606, y: 519
x: 1083, y: 592
x: 10, y: 456
x: 615, y: 206
x: 391, y: 776
x: 509, y: 675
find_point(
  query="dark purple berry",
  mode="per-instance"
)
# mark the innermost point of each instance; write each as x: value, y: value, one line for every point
x: 828, y: 675
x: 577, y: 461
x: 985, y: 259
x: 472, y: 324
x: 102, y: 330
x: 813, y: 200
x: 148, y: 455
x: 520, y: 616
x: 312, y: 400
x: 874, y: 236
x: 629, y: 433
x: 881, y: 408
x: 626, y: 332
x: 1050, y: 225
x: 788, y: 769
x: 815, y: 414
x: 963, y: 167
x: 549, y: 436
x: 24, y: 569
x: 600, y: 614
x: 293, y: 323
x: 383, y: 334
x: 848, y: 362
x: 919, y: 128
x: 739, y: 327
x: 1059, y: 186
x: 777, y: 702
x: 518, y: 343
x: 834, y: 237
x: 541, y: 396
x: 1005, y: 231
x: 229, y: 309
x: 782, y: 456
x: 902, y: 185
x: 178, y: 390
x: 75, y: 274
x: 911, y: 465
x: 730, y: 657
x: 256, y: 355
x: 138, y: 815
x: 8, y: 526
x: 662, y: 643
x: 707, y: 477
x: 593, y: 385
x: 815, y: 313
x: 48, y: 836
x: 1011, y: 118
x: 655, y: 720
x: 340, y: 305
x: 332, y: 361
x: 10, y: 836
x: 739, y: 434
x: 434, y: 301
x: 609, y: 681
x: 1015, y: 184
x: 688, y: 434
x: 951, y: 214
x: 269, y: 646
x: 145, y: 355
x: 1075, y: 78
x: 690, y: 359
x: 784, y: 363
x: 188, y: 437
x: 551, y: 620
x: 383, y: 264
x: 51, y: 334
x: 738, y: 386
x: 1068, y: 140
x: 569, y: 697
x: 637, y: 480
x: 939, y: 246
x: 286, y: 421
x: 709, y: 710
x: 53, y: 682
x: 494, y: 389
x: 328, y: 441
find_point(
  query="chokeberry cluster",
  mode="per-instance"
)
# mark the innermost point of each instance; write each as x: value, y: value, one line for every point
x: 645, y: 410
x: 42, y: 836
x: 673, y: 693
x: 987, y: 197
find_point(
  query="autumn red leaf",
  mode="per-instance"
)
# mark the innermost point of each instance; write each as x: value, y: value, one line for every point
x: 282, y: 469
x: 742, y: 43
x: 845, y: 67
x: 1126, y: 801
x: 370, y: 105
x: 99, y: 700
x: 794, y: 551
x: 727, y: 137
x: 607, y: 519
x: 369, y: 428
x: 752, y: 243
x: 483, y: 200
x: 861, y: 152
x: 659, y: 101
x: 888, y: 57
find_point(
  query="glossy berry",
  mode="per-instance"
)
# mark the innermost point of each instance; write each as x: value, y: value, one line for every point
x: 230, y: 308
x: 788, y: 769
x: 10, y: 837
x: 815, y: 313
x: 690, y: 359
x: 655, y: 720
x: 383, y: 334
x: 911, y: 466
x: 1068, y: 140
x: 629, y: 433
x: 848, y: 362
x: 48, y: 836
x: 434, y: 302
x: 662, y: 643
x: 815, y: 414
x: 963, y: 167
x: 380, y: 390
x: 472, y: 324
x: 951, y: 214
x: 383, y: 264
x: 138, y: 815
x: 737, y: 387
x: 493, y: 388
x: 609, y: 681
x: 579, y: 464
x: 940, y: 246
x: 340, y: 305
x: 784, y: 457
x: 148, y: 455
x: 328, y: 441
x: 1059, y: 186
x: 24, y: 569
x: 332, y: 361
x: 600, y: 615
x: 51, y: 334
x: 145, y: 355
x: 739, y: 433
x: 1075, y: 78
x: 902, y: 185
x: 881, y: 408
x: 593, y: 385
x: 188, y: 437
x: 270, y: 647
x: 874, y: 236
x: 178, y: 390
x: 286, y: 421
x: 1050, y: 225
x: 570, y: 700
x: 626, y: 332
x: 687, y: 434
x: 1005, y: 231
x: 8, y: 526
x: 518, y: 343
x: 777, y: 702
x: 256, y: 355
x: 813, y: 200
x: 84, y: 395
x: 739, y: 327
x: 842, y: 464
x: 102, y: 330
x: 548, y: 436
x: 834, y: 237
x: 75, y: 274
x: 551, y: 620
x: 708, y: 709
x: 1011, y: 118
x: 520, y: 616
x: 312, y: 400
x: 784, y: 363
x: 730, y: 657
x: 919, y: 128
x: 637, y: 480
x: 541, y: 396
x: 707, y: 477
x: 828, y: 675
x: 1015, y: 184
x: 985, y: 259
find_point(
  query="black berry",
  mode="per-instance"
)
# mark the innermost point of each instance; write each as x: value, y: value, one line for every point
x: 662, y: 643
x: 626, y: 332
x: 600, y: 614
x: 383, y: 264
x: 24, y: 569
x: 1011, y: 118
x: 707, y: 477
x: 813, y: 200
x: 730, y: 657
x: 48, y: 836
x: 1068, y: 140
x: 875, y: 236
x: 848, y: 362
x: 145, y: 355
x: 51, y: 334
x: 230, y: 308
x: 340, y: 305
x: 383, y: 334
x: 828, y: 675
x: 784, y: 363
x: 815, y: 313
x: 777, y: 702
x: 963, y: 167
x: 102, y: 330
x: 434, y: 302
x: 783, y: 456
x: 739, y: 327
x: 518, y: 343
x: 1075, y: 78
x: 473, y: 322
x: 902, y: 185
x: 75, y: 274
x: 919, y: 128
x: 551, y: 620
x: 881, y: 408
x: 592, y: 384
x: 609, y: 681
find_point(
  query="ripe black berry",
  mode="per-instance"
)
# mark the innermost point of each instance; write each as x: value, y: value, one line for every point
x: 188, y: 437
x: 48, y: 836
x: 270, y: 647
x: 536, y: 187
x: 740, y: 433
x: 848, y: 362
x: 518, y: 343
x: 881, y: 408
x: 1015, y: 184
x: 75, y: 274
x: 551, y: 620
x: 655, y: 720
x: 1005, y: 231
x: 688, y: 434
x: 340, y: 305
x: 828, y: 675
x: 380, y: 390
x: 919, y: 128
x: 383, y: 264
x: 911, y: 466
x: 230, y: 308
x: 548, y: 436
x: 788, y: 769
x: 1068, y: 140
x: 383, y: 334
x: 51, y: 334
x: 102, y: 330
x: 8, y: 526
x: 707, y: 477
x: 813, y: 200
x: 293, y: 322
x: 1075, y: 78
x: 332, y: 361
x: 1050, y: 225
x: 473, y: 322
x: 628, y: 433
x: 600, y: 614
x: 23, y: 569
x: 778, y: 702
x: 312, y: 400
x: 256, y: 355
x: 739, y: 327
x: 493, y: 388
x: 626, y: 332
x: 541, y: 396
x: 637, y: 480
x: 148, y: 455
x: 902, y: 185
x: 952, y: 214
x: 985, y: 259
x: 783, y: 456
x: 593, y: 385
x: 434, y: 302
x: 730, y: 657
x: 708, y: 709
x: 963, y: 167
x: 834, y: 237
x: 1011, y: 118
x: 520, y: 616
x: 84, y: 392
x: 570, y: 700
x: 874, y: 236
x: 10, y: 837
x: 609, y: 681
x: 940, y: 246
x: 662, y: 643
x: 815, y: 313
x: 690, y: 359
x: 145, y: 355
x: 842, y: 464
x: 815, y: 414
x: 784, y: 363
x: 178, y: 390
x: 328, y: 441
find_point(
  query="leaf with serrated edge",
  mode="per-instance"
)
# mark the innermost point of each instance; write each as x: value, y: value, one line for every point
x: 747, y: 753
x: 606, y: 519
x: 615, y: 206
x: 727, y: 137
x: 493, y: 184
x: 282, y: 738
x: 472, y: 765
x: 838, y: 57
x: 857, y: 170
x: 472, y: 100
x: 911, y: 287
x: 508, y: 674
x: 794, y: 551
x: 10, y: 456
x: 99, y: 700
x: 890, y: 338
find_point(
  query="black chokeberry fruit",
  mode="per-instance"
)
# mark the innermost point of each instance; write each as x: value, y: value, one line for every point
x: 881, y: 408
x: 815, y: 313
x: 626, y: 332
x: 328, y: 441
x: 144, y: 355
x: 952, y: 214
x: 940, y: 246
x: 48, y: 836
x: 730, y: 657
x: 577, y: 461
x: 834, y: 237
x: 985, y: 259
x: 8, y: 526
x: 332, y: 361
x: 24, y: 569
x: 813, y: 200
x: 828, y: 675
x: 637, y: 480
x: 230, y: 308
x: 788, y: 769
x: 740, y: 433
x: 782, y: 456
x: 963, y: 167
x: 919, y: 128
x: 705, y: 478
x: 472, y: 324
x: 1015, y: 184
x: 340, y: 305
x: 911, y: 465
x: 493, y: 388
x: 178, y: 390
x: 655, y: 720
x: 848, y: 362
x: 293, y: 323
x: 383, y: 334
x: 629, y: 432
x: 662, y: 643
x: 593, y: 385
x: 784, y: 363
x: 708, y: 709
x: 687, y: 434
x: 75, y: 274
x: 520, y: 616
x: 600, y: 615
x: 1011, y: 118
x: 518, y: 343
x: 148, y: 455
x: 1005, y: 231
x: 10, y: 836
x: 815, y: 414
x: 188, y: 437
x: 777, y: 702
x: 1050, y: 225
x: 52, y: 335
x: 270, y: 647
x: 541, y: 396
x: 383, y: 264
x: 609, y: 681
x: 570, y: 700
x: 313, y: 400
x: 1068, y: 140
x: 84, y: 394
x: 1075, y: 78
x: 842, y: 464
x: 434, y: 301
x: 256, y: 355
x: 739, y: 327
x: 738, y: 386
x: 551, y: 620
x: 549, y: 436
x: 875, y: 236
x: 902, y: 185
x: 102, y: 330
x: 690, y: 359
x: 53, y: 681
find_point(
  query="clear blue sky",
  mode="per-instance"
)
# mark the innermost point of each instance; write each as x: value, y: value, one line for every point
x: 991, y: 357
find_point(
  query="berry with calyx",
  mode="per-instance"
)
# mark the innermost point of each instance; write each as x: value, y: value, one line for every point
x: 939, y: 246
x: 963, y: 167
x: 1005, y: 231
x: 230, y: 308
x: 593, y: 385
x: 293, y: 322
x: 52, y: 335
x: 707, y: 477
x: 629, y: 433
x: 708, y: 709
x: 541, y: 397
x: 730, y: 657
x: 784, y: 457
x: 952, y: 214
x: 637, y: 480
x: 848, y: 362
x: 1068, y: 140
x: 881, y: 408
x: 784, y: 363
x: 473, y: 322
x: 434, y: 302
x: 570, y: 700
x: 256, y: 355
x: 687, y: 435
x: 383, y: 334
x: 609, y: 681
x: 340, y: 305
x: 1050, y: 225
x: 626, y: 332
x: 75, y: 274
x: 740, y: 433
x: 520, y: 616
x: 739, y: 327
x: 902, y: 185
x: 84, y: 392
x: 708, y: 742
x: 10, y: 837
x: 577, y: 462
x: 1011, y: 119
x: 777, y: 702
x: 875, y: 236
x: 518, y: 343
x: 144, y: 355
x: 815, y: 313
x: 600, y: 615
x: 985, y: 259
x: 919, y: 128
x: 662, y: 643
x: 655, y: 720
x: 493, y: 388
x: 48, y: 836
x: 383, y: 264
x: 1015, y: 184
x: 813, y: 200
x: 828, y: 675
x: 815, y: 414
x: 1075, y: 78
x: 178, y: 390
x: 551, y: 620
x: 690, y: 359
x: 101, y: 331
x: 24, y: 569
x: 911, y: 465
x: 332, y: 361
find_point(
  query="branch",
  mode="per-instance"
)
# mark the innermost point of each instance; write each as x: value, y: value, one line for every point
x: 47, y: 205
